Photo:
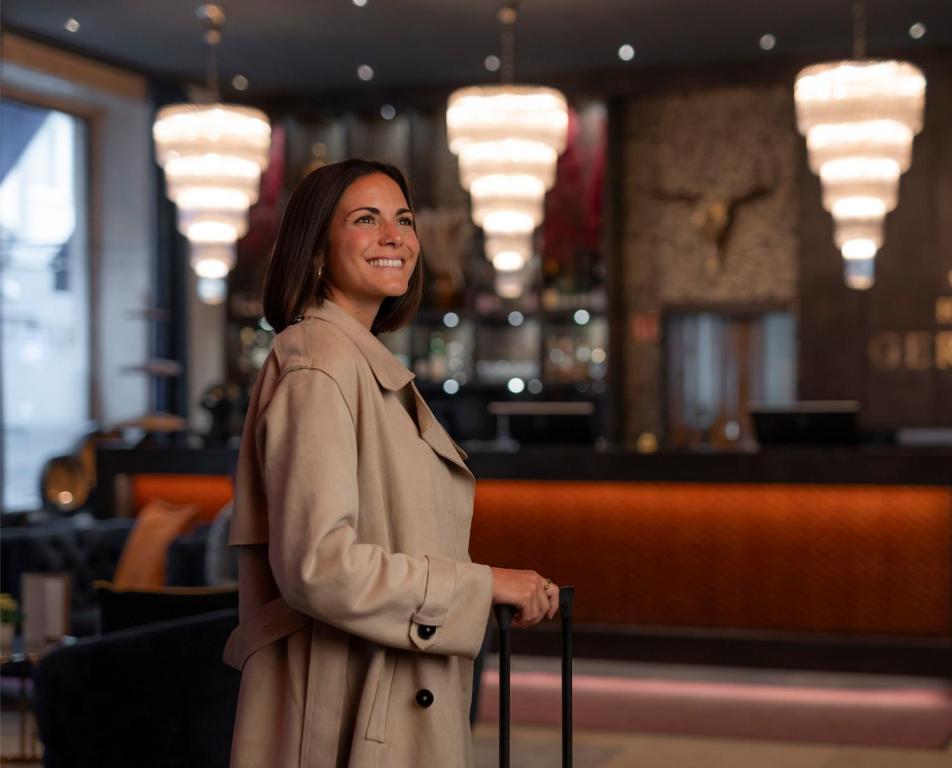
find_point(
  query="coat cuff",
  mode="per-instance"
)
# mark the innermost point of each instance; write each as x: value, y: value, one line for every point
x: 452, y: 619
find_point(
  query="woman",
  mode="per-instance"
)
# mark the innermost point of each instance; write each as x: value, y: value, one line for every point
x: 360, y: 611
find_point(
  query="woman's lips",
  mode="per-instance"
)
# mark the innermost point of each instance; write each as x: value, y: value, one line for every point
x: 386, y: 263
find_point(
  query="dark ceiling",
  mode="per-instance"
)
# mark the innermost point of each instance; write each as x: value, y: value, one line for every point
x: 304, y: 47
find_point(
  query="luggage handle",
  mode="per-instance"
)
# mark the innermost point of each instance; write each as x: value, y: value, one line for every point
x: 504, y: 616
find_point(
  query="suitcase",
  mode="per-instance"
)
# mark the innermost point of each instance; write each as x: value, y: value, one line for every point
x: 504, y: 614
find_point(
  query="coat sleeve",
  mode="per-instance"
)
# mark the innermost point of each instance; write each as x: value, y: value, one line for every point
x: 307, y: 443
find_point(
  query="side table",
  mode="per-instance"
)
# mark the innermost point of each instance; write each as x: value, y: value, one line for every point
x: 19, y: 665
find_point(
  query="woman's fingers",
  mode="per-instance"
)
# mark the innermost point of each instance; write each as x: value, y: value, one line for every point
x: 553, y: 596
x: 534, y: 596
x: 540, y: 603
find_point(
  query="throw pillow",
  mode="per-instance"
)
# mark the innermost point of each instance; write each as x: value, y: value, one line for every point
x: 142, y: 562
x: 221, y: 560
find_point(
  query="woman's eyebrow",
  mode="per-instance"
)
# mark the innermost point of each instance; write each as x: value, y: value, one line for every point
x: 375, y: 211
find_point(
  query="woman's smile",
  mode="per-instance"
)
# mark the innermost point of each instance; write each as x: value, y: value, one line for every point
x: 387, y: 263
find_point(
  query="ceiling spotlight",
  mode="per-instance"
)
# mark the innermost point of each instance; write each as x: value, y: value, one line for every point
x: 365, y: 72
x: 767, y: 42
x: 492, y: 63
x: 72, y: 25
x: 626, y: 52
x: 239, y: 83
x: 360, y: 3
x: 917, y: 30
x: 388, y: 112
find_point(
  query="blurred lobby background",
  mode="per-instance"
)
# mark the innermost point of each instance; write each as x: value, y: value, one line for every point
x: 698, y: 347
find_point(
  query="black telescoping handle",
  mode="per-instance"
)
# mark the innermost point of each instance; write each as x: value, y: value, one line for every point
x: 504, y: 616
x: 566, y: 604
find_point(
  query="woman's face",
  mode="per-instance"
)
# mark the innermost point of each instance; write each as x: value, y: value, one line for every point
x: 372, y: 246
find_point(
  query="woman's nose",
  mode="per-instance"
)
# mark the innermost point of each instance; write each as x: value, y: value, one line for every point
x: 391, y: 236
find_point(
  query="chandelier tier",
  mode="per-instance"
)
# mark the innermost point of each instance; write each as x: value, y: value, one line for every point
x: 859, y: 118
x: 213, y: 156
x: 508, y: 139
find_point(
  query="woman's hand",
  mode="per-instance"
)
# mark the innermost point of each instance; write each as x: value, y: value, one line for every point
x: 534, y: 597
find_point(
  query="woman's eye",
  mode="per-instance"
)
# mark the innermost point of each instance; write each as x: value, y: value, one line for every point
x: 406, y: 221
x: 365, y: 219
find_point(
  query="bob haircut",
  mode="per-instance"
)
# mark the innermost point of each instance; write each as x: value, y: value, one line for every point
x: 292, y: 279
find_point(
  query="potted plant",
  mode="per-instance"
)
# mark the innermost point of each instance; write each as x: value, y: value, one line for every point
x: 9, y: 616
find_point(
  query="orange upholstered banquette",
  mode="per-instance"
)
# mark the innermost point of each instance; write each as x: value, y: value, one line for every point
x: 872, y: 560
x: 844, y: 559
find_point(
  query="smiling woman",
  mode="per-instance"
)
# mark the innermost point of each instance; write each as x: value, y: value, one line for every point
x: 360, y: 609
x: 357, y: 210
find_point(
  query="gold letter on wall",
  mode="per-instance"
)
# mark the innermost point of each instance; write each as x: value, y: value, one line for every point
x: 885, y: 350
x: 918, y: 350
x: 943, y: 349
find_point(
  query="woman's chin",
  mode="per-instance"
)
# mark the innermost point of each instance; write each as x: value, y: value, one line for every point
x: 393, y: 288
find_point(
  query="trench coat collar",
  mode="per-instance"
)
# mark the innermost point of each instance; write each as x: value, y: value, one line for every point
x: 390, y: 373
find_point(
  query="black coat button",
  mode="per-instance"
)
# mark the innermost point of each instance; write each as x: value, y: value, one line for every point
x: 424, y: 697
x: 425, y: 631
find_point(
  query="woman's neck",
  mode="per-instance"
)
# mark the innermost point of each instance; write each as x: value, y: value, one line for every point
x: 364, y: 310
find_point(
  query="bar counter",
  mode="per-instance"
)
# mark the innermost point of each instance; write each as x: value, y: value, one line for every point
x: 832, y: 558
x: 837, y: 465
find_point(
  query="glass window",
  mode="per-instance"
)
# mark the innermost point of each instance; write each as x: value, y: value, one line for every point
x: 44, y: 268
x: 717, y: 363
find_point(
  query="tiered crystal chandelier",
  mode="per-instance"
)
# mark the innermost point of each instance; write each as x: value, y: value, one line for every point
x: 213, y: 156
x: 508, y: 139
x: 859, y: 118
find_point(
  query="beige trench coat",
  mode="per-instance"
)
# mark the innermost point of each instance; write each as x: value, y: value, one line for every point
x: 360, y: 611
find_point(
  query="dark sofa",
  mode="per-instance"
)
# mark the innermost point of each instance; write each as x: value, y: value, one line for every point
x: 85, y: 549
x: 89, y: 550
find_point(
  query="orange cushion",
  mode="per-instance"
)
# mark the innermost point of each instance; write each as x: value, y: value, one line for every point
x: 142, y: 563
x: 207, y: 492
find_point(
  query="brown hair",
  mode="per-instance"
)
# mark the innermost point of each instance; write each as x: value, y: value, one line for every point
x: 293, y: 278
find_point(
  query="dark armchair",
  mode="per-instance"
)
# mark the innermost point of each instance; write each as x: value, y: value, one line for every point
x: 154, y: 696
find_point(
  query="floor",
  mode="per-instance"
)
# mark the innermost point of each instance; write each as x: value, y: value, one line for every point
x: 540, y: 747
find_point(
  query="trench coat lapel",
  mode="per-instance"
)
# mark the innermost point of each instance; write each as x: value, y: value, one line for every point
x: 432, y: 432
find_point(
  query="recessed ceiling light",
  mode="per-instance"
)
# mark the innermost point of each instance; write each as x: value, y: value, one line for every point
x: 917, y: 30
x: 239, y: 83
x: 767, y: 42
x: 626, y: 52
x: 388, y: 112
x: 72, y: 25
x: 492, y: 63
x: 365, y: 72
x: 360, y: 3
